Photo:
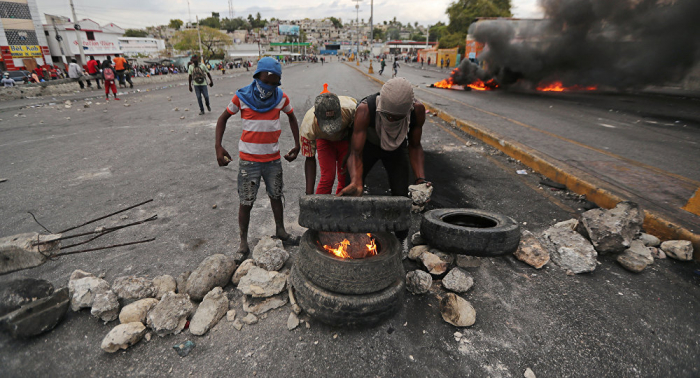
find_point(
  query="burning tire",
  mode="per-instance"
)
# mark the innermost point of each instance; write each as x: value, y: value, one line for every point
x: 350, y: 276
x: 346, y: 310
x: 355, y: 214
x: 470, y: 232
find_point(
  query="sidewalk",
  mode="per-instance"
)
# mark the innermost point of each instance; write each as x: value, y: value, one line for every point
x: 561, y: 148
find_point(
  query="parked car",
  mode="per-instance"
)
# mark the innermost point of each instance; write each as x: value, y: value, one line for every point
x: 20, y: 77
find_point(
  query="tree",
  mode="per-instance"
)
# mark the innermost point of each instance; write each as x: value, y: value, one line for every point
x: 175, y: 24
x: 337, y: 23
x: 415, y: 24
x: 392, y: 33
x: 463, y: 12
x: 237, y: 23
x: 212, y: 22
x: 384, y: 22
x: 135, y: 33
x: 437, y: 30
x: 215, y: 14
x: 213, y: 41
x: 378, y: 34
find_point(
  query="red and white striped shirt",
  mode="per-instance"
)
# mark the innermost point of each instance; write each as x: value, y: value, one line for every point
x: 261, y: 131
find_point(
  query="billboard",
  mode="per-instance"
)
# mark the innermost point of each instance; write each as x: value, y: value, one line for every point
x: 288, y: 29
x: 31, y: 51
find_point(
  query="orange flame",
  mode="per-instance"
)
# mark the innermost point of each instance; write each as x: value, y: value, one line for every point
x: 483, y: 86
x: 445, y: 83
x: 341, y: 250
x: 557, y: 86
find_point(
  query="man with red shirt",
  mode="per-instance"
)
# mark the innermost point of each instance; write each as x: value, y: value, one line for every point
x: 260, y: 105
x: 93, y: 70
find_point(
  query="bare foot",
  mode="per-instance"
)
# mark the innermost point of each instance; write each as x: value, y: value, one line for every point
x: 282, y: 234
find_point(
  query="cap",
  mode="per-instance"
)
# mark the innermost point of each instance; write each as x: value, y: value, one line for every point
x: 269, y: 65
x: 328, y: 113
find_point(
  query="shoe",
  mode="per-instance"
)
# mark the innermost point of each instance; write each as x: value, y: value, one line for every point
x: 107, y: 99
x: 117, y: 98
x: 208, y: 107
x: 131, y: 85
x: 201, y: 113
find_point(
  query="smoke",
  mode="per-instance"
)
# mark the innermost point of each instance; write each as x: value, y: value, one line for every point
x: 616, y: 43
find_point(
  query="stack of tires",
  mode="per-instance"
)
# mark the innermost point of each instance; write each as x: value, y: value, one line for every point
x: 350, y: 292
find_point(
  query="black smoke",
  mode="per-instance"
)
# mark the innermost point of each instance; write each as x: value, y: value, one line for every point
x: 623, y: 44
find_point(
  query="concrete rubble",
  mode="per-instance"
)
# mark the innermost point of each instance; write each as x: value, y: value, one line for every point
x: 137, y: 311
x: 215, y: 270
x: 570, y: 250
x: 132, y: 288
x: 418, y: 282
x: 457, y: 311
x: 38, y: 316
x: 83, y: 287
x: 123, y: 336
x: 458, y: 281
x: 21, y: 291
x: 170, y: 315
x: 531, y: 251
x: 292, y: 321
x: 271, y: 259
x: 259, y: 282
x: 612, y: 231
x: 181, y: 281
x: 259, y: 306
x: 434, y: 264
x: 231, y: 315
x: 164, y: 284
x: 265, y: 244
x: 19, y: 252
x: 249, y: 319
x: 649, y: 240
x: 464, y: 261
x: 678, y: 249
x: 242, y: 271
x: 105, y: 306
x: 416, y: 252
x: 210, y: 311
x: 420, y: 194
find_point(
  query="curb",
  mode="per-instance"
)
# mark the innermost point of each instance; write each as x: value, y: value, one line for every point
x: 575, y: 180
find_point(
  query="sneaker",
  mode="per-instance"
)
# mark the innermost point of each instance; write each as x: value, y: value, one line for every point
x: 131, y: 85
x: 201, y: 113
x: 107, y: 99
x: 208, y: 107
x: 117, y: 98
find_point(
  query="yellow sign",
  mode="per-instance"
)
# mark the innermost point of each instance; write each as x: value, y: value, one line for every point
x: 26, y: 51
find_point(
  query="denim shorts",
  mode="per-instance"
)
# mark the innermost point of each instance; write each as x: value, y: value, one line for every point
x: 249, y: 174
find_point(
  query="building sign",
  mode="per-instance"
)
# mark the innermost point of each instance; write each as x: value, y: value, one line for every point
x: 289, y: 29
x: 98, y: 46
x: 31, y: 51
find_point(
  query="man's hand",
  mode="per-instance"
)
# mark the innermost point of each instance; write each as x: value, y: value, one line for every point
x: 190, y: 88
x: 211, y: 84
x: 351, y: 191
x: 292, y: 154
x: 222, y: 156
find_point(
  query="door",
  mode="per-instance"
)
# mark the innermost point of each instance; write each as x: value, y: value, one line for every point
x: 29, y: 64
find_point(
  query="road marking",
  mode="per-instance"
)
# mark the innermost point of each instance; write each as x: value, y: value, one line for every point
x: 609, y: 126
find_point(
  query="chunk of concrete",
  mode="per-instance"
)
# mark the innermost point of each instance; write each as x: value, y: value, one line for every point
x: 259, y: 306
x: 612, y: 231
x: 137, y: 311
x: 271, y: 259
x: 242, y: 271
x: 215, y: 270
x: 83, y: 288
x: 262, y: 283
x: 570, y: 250
x: 21, y: 251
x: 164, y: 284
x: 169, y: 316
x: 123, y: 336
x: 20, y: 291
x: 531, y: 251
x: 133, y: 288
x: 210, y: 311
x: 678, y: 249
x: 105, y: 306
x: 457, y: 311
x: 37, y: 317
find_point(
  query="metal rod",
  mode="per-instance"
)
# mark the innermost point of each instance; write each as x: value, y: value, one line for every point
x: 99, y: 248
x: 106, y: 216
x: 99, y: 232
x: 108, y: 232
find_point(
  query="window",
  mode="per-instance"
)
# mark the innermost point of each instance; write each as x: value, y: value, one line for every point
x: 90, y: 36
x: 46, y: 33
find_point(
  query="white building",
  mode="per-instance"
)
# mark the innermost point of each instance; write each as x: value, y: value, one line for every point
x: 143, y: 47
x: 98, y: 41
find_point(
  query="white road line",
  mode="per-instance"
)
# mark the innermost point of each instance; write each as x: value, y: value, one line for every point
x: 606, y: 125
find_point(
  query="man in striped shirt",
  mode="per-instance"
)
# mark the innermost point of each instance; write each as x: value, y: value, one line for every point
x: 260, y: 105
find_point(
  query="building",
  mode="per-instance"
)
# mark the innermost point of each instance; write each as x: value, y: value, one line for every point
x: 23, y: 45
x: 98, y: 41
x: 141, y: 47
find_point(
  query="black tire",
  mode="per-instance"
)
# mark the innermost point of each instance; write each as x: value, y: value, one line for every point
x: 470, y: 232
x: 348, y: 276
x: 346, y: 310
x: 355, y: 214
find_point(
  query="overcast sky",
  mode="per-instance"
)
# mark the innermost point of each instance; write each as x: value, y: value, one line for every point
x: 140, y: 13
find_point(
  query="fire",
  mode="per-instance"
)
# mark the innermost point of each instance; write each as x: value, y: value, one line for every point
x: 557, y: 86
x: 445, y: 83
x: 342, y: 248
x: 483, y: 86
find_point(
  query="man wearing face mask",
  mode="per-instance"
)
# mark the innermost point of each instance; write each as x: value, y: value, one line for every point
x: 388, y: 127
x: 260, y: 105
x: 197, y: 73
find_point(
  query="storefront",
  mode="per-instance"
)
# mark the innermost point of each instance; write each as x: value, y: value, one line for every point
x: 23, y: 45
x: 98, y: 41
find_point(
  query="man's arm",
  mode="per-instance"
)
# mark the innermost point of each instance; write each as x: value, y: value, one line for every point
x: 222, y: 156
x: 294, y: 125
x: 190, y: 85
x: 310, y: 173
x: 357, y: 144
x: 415, y: 149
x: 211, y: 81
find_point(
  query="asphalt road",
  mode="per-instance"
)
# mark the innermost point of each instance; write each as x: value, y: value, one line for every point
x: 610, y: 323
x: 643, y: 144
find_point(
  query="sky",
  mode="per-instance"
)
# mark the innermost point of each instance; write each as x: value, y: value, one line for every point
x: 139, y: 13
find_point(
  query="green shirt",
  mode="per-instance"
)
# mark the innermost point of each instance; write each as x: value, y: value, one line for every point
x: 190, y: 71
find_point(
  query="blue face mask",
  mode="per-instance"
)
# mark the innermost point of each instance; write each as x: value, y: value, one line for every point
x: 265, y: 90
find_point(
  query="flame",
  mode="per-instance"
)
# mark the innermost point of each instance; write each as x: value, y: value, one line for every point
x: 341, y: 250
x: 557, y: 86
x: 445, y: 83
x: 483, y: 86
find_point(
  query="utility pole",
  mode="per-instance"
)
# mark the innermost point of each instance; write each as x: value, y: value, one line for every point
x: 357, y: 28
x: 371, y: 35
x: 199, y: 37
x: 59, y: 40
x: 230, y: 9
x: 78, y: 32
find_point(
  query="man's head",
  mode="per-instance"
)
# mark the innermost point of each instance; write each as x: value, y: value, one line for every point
x: 6, y: 75
x: 92, y: 57
x: 396, y: 98
x: 328, y: 113
x: 116, y: 55
x: 195, y: 59
x: 73, y: 61
x: 269, y: 71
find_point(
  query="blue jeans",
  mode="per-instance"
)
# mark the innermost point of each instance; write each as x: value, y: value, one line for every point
x: 201, y: 90
x: 249, y: 174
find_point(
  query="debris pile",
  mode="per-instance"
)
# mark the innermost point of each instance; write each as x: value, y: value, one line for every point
x: 574, y: 245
